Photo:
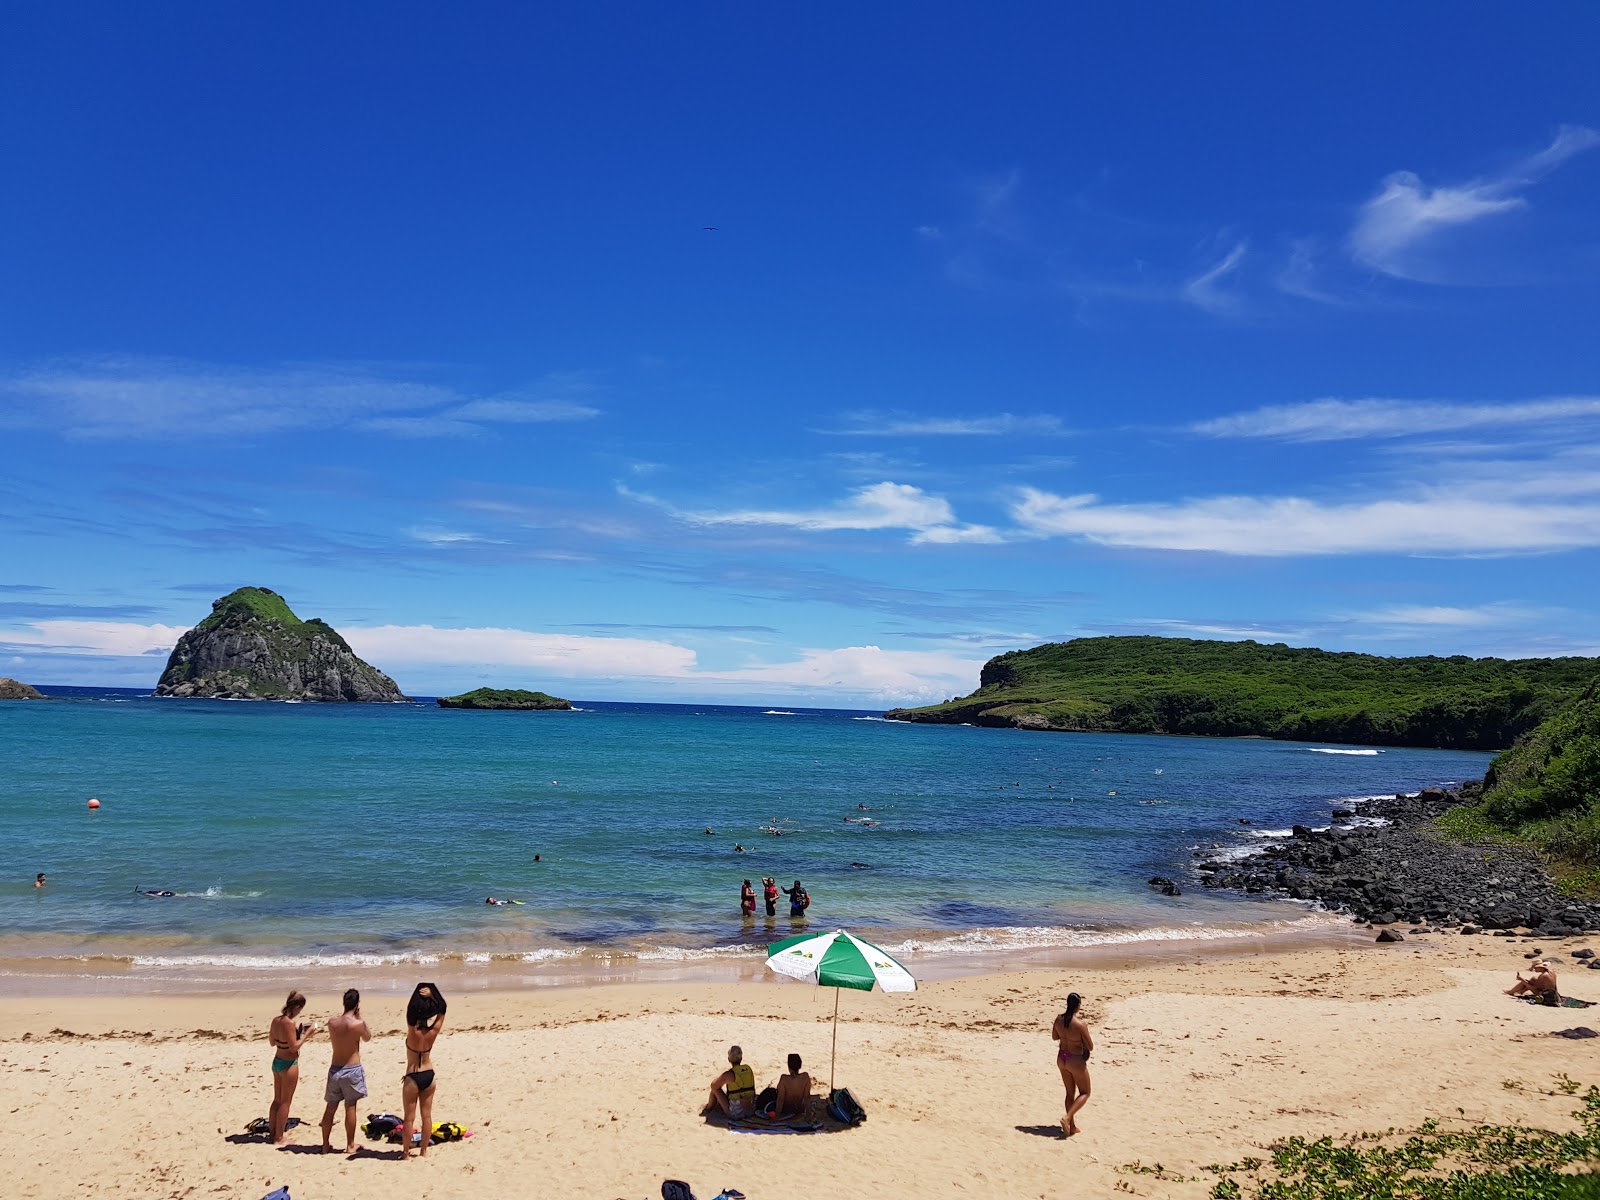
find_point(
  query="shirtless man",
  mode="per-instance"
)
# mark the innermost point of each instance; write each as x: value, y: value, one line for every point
x: 1542, y: 983
x: 794, y: 1091
x: 347, y: 1082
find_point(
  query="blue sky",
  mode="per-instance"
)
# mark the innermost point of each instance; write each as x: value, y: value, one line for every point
x: 1010, y: 325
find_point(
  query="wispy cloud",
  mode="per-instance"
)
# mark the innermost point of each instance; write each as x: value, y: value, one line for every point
x: 1439, y: 615
x: 871, y: 424
x: 1336, y: 420
x: 1399, y: 227
x: 1428, y: 521
x: 878, y: 506
x: 182, y: 400
x: 1209, y: 290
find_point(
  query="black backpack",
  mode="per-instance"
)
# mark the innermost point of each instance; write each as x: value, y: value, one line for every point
x: 675, y: 1189
x: 842, y: 1107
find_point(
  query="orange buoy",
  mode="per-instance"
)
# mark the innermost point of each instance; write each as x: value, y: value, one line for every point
x: 94, y: 804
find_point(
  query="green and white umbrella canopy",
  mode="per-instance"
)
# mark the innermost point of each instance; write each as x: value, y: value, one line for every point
x: 840, y: 960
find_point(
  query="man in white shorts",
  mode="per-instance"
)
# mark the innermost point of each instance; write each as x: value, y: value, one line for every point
x: 347, y: 1082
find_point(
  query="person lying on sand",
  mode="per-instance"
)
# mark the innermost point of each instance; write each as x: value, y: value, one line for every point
x: 794, y: 1091
x: 1542, y: 983
x: 734, y: 1091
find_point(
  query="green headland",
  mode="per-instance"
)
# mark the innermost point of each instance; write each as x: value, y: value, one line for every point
x: 1249, y: 689
x: 503, y: 698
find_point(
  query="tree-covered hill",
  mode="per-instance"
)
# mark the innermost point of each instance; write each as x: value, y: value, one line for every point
x: 1546, y: 789
x: 503, y: 698
x: 1238, y: 689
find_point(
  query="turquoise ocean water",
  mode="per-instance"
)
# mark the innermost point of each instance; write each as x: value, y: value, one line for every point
x: 332, y: 834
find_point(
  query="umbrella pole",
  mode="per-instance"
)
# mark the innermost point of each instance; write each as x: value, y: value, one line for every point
x: 833, y: 1055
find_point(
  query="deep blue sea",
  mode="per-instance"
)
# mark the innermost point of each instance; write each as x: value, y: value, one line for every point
x: 306, y: 834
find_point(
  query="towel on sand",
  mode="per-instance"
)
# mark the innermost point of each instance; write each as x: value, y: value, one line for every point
x: 1566, y: 1002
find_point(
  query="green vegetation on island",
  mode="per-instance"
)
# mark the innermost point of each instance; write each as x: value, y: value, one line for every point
x: 1545, y: 791
x: 252, y: 646
x: 1248, y: 689
x: 503, y: 698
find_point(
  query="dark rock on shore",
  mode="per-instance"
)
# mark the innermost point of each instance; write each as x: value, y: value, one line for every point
x: 253, y: 647
x: 1404, y: 871
x: 11, y: 689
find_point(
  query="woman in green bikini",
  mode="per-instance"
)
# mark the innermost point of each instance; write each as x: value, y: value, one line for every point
x: 286, y: 1037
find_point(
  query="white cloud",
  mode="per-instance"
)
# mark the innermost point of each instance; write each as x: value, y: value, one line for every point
x: 1335, y: 420
x: 1429, y: 521
x: 1484, y: 616
x: 1206, y: 291
x: 995, y: 425
x: 115, y: 638
x: 863, y: 673
x: 1397, y: 226
x: 877, y: 506
x: 175, y: 399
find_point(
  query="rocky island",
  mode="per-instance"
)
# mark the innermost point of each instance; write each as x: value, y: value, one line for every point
x: 253, y: 647
x: 1248, y: 689
x: 503, y: 698
x: 12, y: 689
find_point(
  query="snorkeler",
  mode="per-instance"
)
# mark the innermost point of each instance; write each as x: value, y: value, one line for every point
x: 157, y: 892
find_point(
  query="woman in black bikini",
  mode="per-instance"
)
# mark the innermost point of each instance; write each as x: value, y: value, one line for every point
x: 1073, y: 1058
x: 424, y: 1020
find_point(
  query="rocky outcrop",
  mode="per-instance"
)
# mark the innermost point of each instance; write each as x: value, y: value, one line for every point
x: 503, y: 698
x: 253, y: 647
x: 11, y: 689
x: 1405, y: 871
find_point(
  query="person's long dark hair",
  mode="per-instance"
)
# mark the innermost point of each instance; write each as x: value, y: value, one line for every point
x: 295, y: 1002
x: 426, y: 1003
x: 1073, y: 1001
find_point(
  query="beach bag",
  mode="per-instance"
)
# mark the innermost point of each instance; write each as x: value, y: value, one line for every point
x: 842, y: 1107
x: 766, y: 1101
x: 675, y: 1189
x: 281, y: 1194
x: 260, y: 1127
x: 448, y: 1131
x: 380, y: 1126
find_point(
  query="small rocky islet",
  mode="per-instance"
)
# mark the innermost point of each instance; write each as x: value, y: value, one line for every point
x: 253, y: 647
x: 504, y: 698
x: 15, y: 689
x: 1404, y: 872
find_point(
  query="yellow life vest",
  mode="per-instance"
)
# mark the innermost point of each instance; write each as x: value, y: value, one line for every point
x: 742, y: 1090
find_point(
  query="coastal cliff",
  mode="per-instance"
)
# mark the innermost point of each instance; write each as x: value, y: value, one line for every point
x: 253, y: 647
x: 1247, y: 689
x: 12, y: 689
x: 515, y: 698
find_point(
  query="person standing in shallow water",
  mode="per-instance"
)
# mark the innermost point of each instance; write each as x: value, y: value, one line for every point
x: 799, y: 901
x: 769, y: 892
x: 1072, y: 1057
x: 747, y: 900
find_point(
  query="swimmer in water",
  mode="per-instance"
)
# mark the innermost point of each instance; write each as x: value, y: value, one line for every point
x: 158, y: 892
x: 738, y: 847
x: 39, y: 880
x: 709, y: 831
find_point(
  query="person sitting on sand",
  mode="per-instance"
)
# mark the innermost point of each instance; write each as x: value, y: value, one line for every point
x: 1542, y: 984
x: 1073, y: 1059
x: 286, y: 1037
x: 734, y: 1091
x: 347, y: 1080
x: 794, y: 1091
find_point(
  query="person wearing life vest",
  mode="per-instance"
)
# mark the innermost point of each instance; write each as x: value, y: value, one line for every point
x: 799, y: 900
x: 734, y: 1091
x: 769, y: 890
x: 747, y: 900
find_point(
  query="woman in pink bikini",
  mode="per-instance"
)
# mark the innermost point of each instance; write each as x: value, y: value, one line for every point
x: 1072, y: 1057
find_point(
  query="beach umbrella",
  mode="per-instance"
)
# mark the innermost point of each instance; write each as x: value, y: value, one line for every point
x: 838, y: 960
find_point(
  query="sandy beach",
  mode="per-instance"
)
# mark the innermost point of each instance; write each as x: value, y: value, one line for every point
x: 596, y: 1091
